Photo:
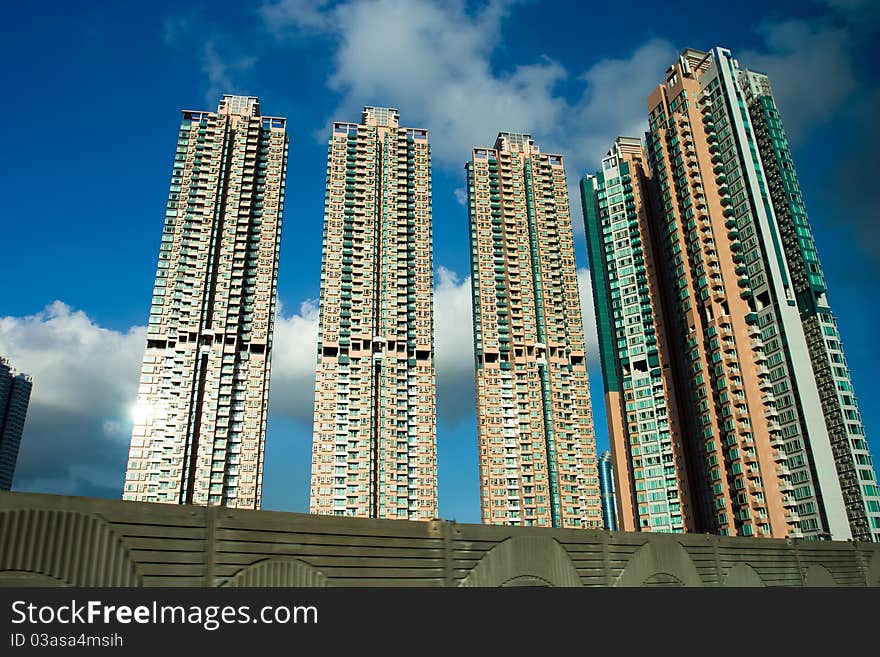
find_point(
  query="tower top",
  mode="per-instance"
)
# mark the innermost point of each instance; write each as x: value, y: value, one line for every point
x: 381, y: 116
x: 8, y: 368
x: 755, y: 83
x: 516, y: 142
x: 240, y: 105
x: 622, y: 145
x: 695, y: 61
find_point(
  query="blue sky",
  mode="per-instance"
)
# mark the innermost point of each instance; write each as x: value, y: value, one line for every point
x: 92, y: 102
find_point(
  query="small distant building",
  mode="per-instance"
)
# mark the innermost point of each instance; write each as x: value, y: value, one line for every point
x: 606, y: 486
x: 15, y: 394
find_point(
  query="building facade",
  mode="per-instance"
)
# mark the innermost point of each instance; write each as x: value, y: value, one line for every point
x: 15, y: 394
x: 641, y: 399
x: 607, y: 490
x: 200, y: 418
x: 537, y: 452
x: 374, y: 446
x: 852, y: 456
x: 757, y: 435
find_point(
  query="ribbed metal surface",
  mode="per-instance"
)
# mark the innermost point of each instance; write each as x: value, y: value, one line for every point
x: 743, y: 575
x: 55, y: 540
x: 775, y: 562
x: 872, y: 567
x: 660, y: 561
x: 662, y: 579
x: 71, y: 547
x: 843, y: 565
x: 348, y: 552
x: 529, y: 559
x: 278, y: 573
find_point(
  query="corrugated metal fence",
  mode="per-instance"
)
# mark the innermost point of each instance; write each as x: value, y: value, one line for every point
x: 56, y: 541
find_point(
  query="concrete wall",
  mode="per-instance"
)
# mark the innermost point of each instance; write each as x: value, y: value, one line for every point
x: 57, y: 541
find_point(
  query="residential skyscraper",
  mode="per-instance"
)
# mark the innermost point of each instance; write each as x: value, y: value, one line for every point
x: 536, y: 447
x: 15, y: 394
x: 644, y: 423
x: 606, y: 486
x: 200, y: 418
x: 374, y: 447
x: 757, y: 438
x: 852, y: 457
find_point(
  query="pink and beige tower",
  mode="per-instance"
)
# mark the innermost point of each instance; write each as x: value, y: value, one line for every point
x: 717, y: 340
x: 374, y: 446
x: 200, y: 417
x: 537, y: 453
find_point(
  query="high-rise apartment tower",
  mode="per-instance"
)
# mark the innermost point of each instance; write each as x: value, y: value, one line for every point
x: 374, y: 447
x: 15, y: 394
x: 537, y: 452
x: 200, y: 418
x: 757, y: 441
x: 644, y: 424
x: 856, y: 471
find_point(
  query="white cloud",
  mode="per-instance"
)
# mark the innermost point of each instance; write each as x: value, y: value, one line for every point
x: 85, y: 380
x: 615, y: 101
x: 302, y: 15
x: 432, y: 60
x: 74, y: 361
x: 454, y: 346
x: 85, y: 383
x: 798, y: 55
x: 461, y: 196
x: 220, y: 72
x: 175, y: 29
x: 294, y: 357
x: 588, y: 311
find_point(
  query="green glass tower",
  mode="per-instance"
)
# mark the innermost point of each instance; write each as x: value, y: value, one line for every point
x: 640, y: 397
